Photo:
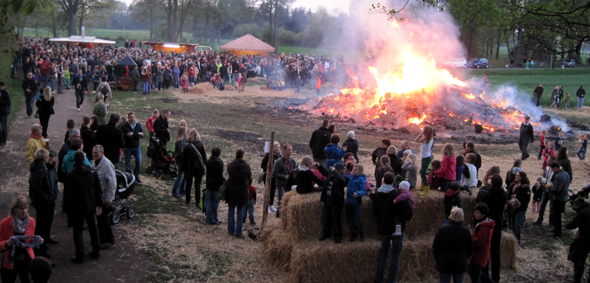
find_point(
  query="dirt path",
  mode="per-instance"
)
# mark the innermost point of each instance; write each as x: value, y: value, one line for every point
x: 122, y: 263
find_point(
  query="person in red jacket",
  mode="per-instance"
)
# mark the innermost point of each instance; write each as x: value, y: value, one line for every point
x: 17, y: 223
x: 482, y: 237
x: 448, y: 167
x: 149, y: 124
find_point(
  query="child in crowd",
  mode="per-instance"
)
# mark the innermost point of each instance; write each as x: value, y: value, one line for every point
x: 448, y: 166
x: 537, y: 191
x: 547, y: 152
x: 184, y: 82
x: 356, y: 189
x: 149, y: 124
x: 559, y: 141
x: 542, y: 143
x: 434, y: 177
x: 67, y: 77
x: 406, y: 196
x: 469, y: 178
x: 452, y: 198
x: 460, y: 167
x: 583, y: 140
x: 512, y: 172
x: 567, y: 100
x: 410, y: 166
x: 249, y: 208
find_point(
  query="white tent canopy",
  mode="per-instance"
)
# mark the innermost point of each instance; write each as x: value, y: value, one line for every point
x: 85, y: 39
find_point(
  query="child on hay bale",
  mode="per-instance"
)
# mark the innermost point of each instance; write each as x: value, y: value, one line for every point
x: 448, y: 166
x: 357, y: 188
x: 332, y: 195
x: 405, y: 196
x: 452, y: 199
x: 249, y: 208
x: 434, y: 177
x: 469, y: 178
x: 482, y: 238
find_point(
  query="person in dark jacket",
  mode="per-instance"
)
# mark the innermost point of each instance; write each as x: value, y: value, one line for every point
x: 538, y: 92
x: 564, y: 161
x: 83, y: 201
x: 238, y: 183
x: 351, y: 145
x: 581, y: 222
x: 135, y: 78
x: 519, y: 189
x: 273, y: 181
x: 452, y: 247
x: 319, y: 139
x: 527, y: 134
x: 380, y: 151
x: 132, y: 133
x: 42, y: 192
x: 161, y: 127
x: 214, y: 180
x: 30, y: 88
x: 194, y: 156
x: 386, y: 212
x: 79, y: 89
x: 45, y: 109
x: 333, y: 199
x: 482, y: 237
x: 87, y: 136
x: 282, y: 169
x: 395, y: 162
x: 580, y: 94
x: 452, y: 198
x: 495, y: 198
x: 305, y: 179
x: 5, y: 104
x: 111, y: 139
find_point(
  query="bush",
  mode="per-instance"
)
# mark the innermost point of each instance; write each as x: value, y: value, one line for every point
x: 287, y: 37
x: 244, y: 29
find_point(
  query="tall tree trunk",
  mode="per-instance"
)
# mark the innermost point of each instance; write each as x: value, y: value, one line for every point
x: 498, y: 41
x: 151, y: 23
x: 71, y: 21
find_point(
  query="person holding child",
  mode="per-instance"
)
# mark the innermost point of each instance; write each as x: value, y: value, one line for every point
x: 405, y: 196
x: 305, y: 178
x: 356, y: 189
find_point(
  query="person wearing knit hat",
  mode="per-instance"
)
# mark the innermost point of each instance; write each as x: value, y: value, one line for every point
x: 405, y: 196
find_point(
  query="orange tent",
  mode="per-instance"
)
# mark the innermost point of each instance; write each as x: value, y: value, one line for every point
x: 247, y: 45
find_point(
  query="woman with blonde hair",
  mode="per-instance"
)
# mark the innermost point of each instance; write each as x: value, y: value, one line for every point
x: 183, y: 123
x: 18, y: 223
x: 179, y: 144
x: 194, y: 156
x: 45, y: 109
x: 448, y: 166
x: 426, y: 137
x: 452, y: 247
x: 305, y: 177
x: 410, y: 167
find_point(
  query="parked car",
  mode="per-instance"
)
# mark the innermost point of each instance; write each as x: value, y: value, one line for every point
x: 455, y: 63
x: 569, y: 63
x: 478, y: 63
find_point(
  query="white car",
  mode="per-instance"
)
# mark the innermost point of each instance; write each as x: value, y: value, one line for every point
x: 455, y: 63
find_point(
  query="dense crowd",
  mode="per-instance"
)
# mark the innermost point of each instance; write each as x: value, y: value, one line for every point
x: 90, y: 156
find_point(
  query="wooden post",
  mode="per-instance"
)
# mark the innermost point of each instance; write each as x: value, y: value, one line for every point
x: 269, y: 167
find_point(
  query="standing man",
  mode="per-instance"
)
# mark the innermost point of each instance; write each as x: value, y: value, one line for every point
x: 79, y: 88
x: 5, y: 104
x: 560, y: 188
x: 135, y: 77
x: 59, y: 69
x: 161, y: 127
x: 538, y: 92
x: 82, y: 202
x: 582, y: 222
x: 132, y: 132
x: 108, y: 184
x: 282, y: 169
x: 111, y: 138
x: 30, y: 88
x: 526, y: 135
x: 319, y: 139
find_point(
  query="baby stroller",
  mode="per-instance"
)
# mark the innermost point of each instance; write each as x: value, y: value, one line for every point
x: 162, y: 160
x: 125, y: 186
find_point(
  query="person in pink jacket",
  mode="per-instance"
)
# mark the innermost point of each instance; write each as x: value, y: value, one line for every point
x: 448, y: 167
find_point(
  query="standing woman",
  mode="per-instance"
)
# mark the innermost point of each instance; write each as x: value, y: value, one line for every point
x: 519, y: 189
x: 18, y: 223
x: 100, y: 109
x: 352, y: 145
x: 45, y: 108
x: 425, y: 154
x: 42, y: 195
x: 214, y: 180
x: 240, y: 179
x: 448, y: 166
x: 564, y: 161
x: 194, y: 156
x: 580, y: 94
x: 176, y: 75
x: 179, y: 144
x: 452, y: 247
x: 104, y: 88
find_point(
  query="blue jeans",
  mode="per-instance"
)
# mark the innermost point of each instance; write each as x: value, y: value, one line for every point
x: 582, y: 153
x: 136, y: 152
x: 146, y: 87
x: 45, y: 80
x: 580, y: 102
x: 176, y: 81
x: 4, y: 131
x: 519, y: 218
x: 391, y: 247
x: 233, y: 227
x: 179, y: 184
x: 212, y: 205
x: 353, y: 217
x: 476, y: 275
x: 446, y: 277
x: 249, y: 208
x: 30, y: 103
x: 544, y: 200
x: 52, y: 83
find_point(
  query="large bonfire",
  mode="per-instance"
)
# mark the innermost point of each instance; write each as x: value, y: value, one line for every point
x: 407, y: 86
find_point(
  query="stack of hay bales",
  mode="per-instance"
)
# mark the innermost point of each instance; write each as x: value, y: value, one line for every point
x: 202, y: 88
x: 294, y: 245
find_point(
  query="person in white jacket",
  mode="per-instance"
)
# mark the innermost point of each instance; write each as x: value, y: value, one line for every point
x: 108, y: 183
x: 469, y: 177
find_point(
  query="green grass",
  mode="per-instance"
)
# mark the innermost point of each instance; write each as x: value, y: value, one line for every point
x: 12, y: 85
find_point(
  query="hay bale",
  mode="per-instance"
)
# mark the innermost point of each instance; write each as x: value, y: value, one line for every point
x: 202, y: 88
x: 264, y: 88
x: 257, y: 80
x: 278, y: 245
x: 508, y: 250
x: 229, y: 87
x: 301, y: 215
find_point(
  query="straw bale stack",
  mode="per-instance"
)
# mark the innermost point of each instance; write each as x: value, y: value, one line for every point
x: 202, y: 88
x: 229, y: 87
x: 257, y: 80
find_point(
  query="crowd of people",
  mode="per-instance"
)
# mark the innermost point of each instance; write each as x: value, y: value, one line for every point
x: 91, y: 153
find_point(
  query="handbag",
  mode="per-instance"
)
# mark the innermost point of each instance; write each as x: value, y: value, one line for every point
x: 202, y: 164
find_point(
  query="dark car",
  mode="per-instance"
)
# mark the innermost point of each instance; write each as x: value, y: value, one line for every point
x: 478, y: 63
x: 569, y: 63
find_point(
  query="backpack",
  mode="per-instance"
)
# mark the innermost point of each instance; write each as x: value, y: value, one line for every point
x: 104, y: 91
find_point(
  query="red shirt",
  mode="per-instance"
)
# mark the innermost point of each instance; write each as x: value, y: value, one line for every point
x: 449, y: 163
x: 150, y: 124
x: 542, y: 140
x: 251, y: 193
